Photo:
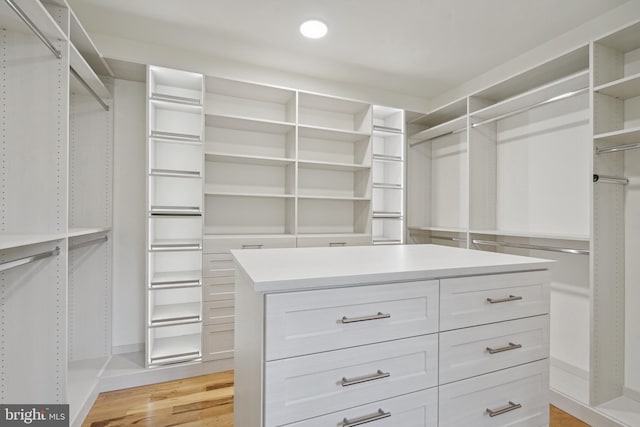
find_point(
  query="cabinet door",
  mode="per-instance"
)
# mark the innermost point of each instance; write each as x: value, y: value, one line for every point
x: 516, y: 396
x: 476, y: 300
x: 223, y: 244
x: 306, y: 322
x: 309, y: 386
x: 217, y: 341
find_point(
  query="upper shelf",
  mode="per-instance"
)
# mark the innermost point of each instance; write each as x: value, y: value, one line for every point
x: 456, y: 125
x: 81, y: 40
x: 625, y: 136
x: 625, y: 88
x: 86, y: 73
x: 38, y: 15
x: 318, y: 132
x: 248, y: 124
x: 9, y: 241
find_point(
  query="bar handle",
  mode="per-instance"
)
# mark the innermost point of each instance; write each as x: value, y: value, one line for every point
x: 366, y: 419
x: 332, y: 244
x: 511, y: 346
x: 346, y: 382
x: 511, y: 407
x: 508, y: 299
x: 258, y: 246
x: 378, y: 316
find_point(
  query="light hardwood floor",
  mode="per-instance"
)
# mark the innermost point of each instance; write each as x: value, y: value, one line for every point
x: 200, y: 401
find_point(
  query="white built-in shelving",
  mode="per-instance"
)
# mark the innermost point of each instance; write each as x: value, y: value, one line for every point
x: 175, y: 206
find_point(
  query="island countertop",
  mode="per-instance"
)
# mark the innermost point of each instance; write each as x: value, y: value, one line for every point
x: 281, y: 270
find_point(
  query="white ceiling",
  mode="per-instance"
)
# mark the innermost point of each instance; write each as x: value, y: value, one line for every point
x: 419, y: 47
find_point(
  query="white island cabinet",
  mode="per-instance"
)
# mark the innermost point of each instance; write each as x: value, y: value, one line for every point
x: 411, y: 336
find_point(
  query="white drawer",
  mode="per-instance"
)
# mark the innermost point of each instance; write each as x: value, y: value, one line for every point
x: 468, y: 352
x: 467, y: 403
x: 217, y: 342
x: 219, y: 288
x: 471, y: 301
x: 216, y: 312
x: 334, y: 240
x: 221, y: 244
x: 418, y: 409
x: 299, y: 323
x: 217, y: 265
x: 308, y: 386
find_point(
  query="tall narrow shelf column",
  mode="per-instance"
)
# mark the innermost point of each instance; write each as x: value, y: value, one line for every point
x: 175, y: 209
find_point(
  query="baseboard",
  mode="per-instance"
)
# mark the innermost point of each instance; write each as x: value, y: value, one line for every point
x: 86, y: 407
x: 631, y: 394
x: 568, y: 367
x: 581, y: 411
x: 128, y: 348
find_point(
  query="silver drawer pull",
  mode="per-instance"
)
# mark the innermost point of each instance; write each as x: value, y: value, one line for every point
x: 363, y: 379
x: 252, y: 246
x: 366, y: 419
x: 511, y: 346
x: 332, y: 244
x: 508, y: 299
x: 511, y: 407
x: 378, y: 316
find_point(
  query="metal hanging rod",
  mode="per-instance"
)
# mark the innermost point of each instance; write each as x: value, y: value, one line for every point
x: 529, y: 107
x: 527, y: 246
x: 26, y: 260
x: 89, y: 242
x: 605, y: 179
x: 618, y: 148
x: 34, y: 28
x: 453, y: 132
x: 88, y: 88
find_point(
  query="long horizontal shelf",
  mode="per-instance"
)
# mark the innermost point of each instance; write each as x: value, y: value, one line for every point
x: 175, y: 349
x: 176, y: 279
x: 172, y: 314
x: 82, y: 378
x: 437, y: 229
x: 175, y: 173
x: 171, y: 245
x: 625, y: 88
x: 387, y: 186
x: 319, y: 132
x: 163, y: 97
x: 10, y: 241
x: 85, y: 46
x: 175, y: 137
x: 387, y: 215
x: 86, y: 73
x: 172, y: 103
x: 248, y: 124
x: 245, y: 159
x: 452, y: 126
x: 559, y: 88
x: 625, y: 136
x: 85, y: 231
x: 347, y: 167
x: 175, y: 210
x: 532, y: 235
x: 381, y: 240
x: 386, y: 130
x: 386, y: 158
x: 211, y: 191
x: 329, y: 197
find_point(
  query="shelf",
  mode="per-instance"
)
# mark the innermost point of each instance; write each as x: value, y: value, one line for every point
x: 174, y: 245
x: 625, y: 88
x: 176, y: 279
x: 82, y: 378
x: 346, y: 167
x: 437, y: 117
x: 385, y: 186
x: 85, y: 46
x: 387, y: 215
x: 175, y: 173
x: 246, y: 159
x: 173, y: 136
x: 438, y: 229
x: 380, y: 240
x: 80, y: 231
x: 356, y: 199
x: 86, y: 73
x: 10, y: 241
x: 175, y: 103
x: 38, y: 14
x: 175, y: 314
x: 176, y: 210
x: 176, y: 349
x: 553, y: 91
x: 319, y: 132
x: 625, y: 136
x: 386, y: 158
x: 385, y: 130
x: 533, y: 235
x: 453, y: 126
x: 210, y: 191
x: 622, y: 409
x: 248, y: 124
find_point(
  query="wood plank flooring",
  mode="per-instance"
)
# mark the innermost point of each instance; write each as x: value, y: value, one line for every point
x: 205, y: 401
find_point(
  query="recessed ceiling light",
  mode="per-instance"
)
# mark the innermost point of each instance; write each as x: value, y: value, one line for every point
x: 313, y: 29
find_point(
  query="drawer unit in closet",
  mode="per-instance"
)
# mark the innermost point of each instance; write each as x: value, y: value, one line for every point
x: 217, y: 341
x: 217, y: 312
x: 477, y: 300
x: 217, y: 265
x: 418, y: 409
x: 299, y: 323
x: 513, y: 396
x: 219, y: 288
x: 223, y: 244
x: 334, y: 240
x: 473, y: 351
x: 302, y: 387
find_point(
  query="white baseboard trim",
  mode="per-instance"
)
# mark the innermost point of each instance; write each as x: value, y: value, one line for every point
x: 581, y: 411
x: 128, y: 348
x: 568, y: 367
x: 86, y: 407
x: 631, y: 394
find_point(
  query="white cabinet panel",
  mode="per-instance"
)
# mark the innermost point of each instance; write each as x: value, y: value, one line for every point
x: 219, y: 244
x: 217, y: 341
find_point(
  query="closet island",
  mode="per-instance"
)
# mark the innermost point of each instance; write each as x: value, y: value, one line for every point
x: 411, y: 335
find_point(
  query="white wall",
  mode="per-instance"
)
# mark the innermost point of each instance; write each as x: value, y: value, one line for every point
x: 129, y: 216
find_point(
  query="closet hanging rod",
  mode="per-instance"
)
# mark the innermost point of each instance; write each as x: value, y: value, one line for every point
x: 34, y: 28
x: 527, y: 246
x: 89, y: 242
x: 450, y: 239
x: 91, y: 91
x: 605, y: 179
x: 453, y: 132
x: 28, y: 259
x: 618, y: 148
x: 532, y: 106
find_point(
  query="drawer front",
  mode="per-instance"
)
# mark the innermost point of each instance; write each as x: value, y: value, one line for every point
x: 469, y: 352
x: 219, y: 288
x: 217, y: 342
x: 334, y: 240
x: 411, y: 410
x: 515, y: 396
x: 471, y: 301
x: 308, y: 386
x: 299, y: 323
x: 215, y: 265
x: 217, y: 312
x: 221, y: 244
